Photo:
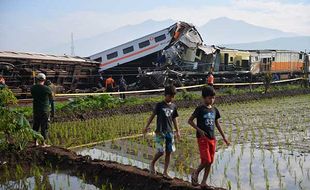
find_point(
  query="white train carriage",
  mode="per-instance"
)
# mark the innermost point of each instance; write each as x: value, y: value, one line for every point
x: 133, y: 50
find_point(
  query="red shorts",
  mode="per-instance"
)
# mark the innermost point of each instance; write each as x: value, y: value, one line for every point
x: 206, y: 149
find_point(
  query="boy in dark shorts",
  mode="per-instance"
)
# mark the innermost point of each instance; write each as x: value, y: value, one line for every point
x: 207, y: 117
x: 167, y: 114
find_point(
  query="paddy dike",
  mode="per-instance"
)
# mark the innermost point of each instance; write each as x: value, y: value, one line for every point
x: 146, y: 107
x: 96, y: 172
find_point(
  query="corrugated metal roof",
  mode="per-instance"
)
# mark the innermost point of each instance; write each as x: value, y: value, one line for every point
x: 41, y: 56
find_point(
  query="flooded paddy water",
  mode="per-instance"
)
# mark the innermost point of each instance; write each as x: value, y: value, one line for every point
x: 42, y: 178
x: 270, y: 147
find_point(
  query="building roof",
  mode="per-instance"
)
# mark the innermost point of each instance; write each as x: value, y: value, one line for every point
x: 41, y: 56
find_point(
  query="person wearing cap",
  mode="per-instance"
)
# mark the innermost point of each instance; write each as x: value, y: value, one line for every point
x: 42, y: 96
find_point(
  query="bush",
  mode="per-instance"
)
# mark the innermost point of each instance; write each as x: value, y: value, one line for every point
x: 14, y: 127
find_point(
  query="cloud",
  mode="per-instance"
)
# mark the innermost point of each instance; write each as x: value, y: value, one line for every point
x: 273, y: 14
x: 45, y: 33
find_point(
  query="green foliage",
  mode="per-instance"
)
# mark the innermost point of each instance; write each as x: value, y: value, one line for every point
x: 102, y: 102
x: 96, y: 102
x: 185, y: 95
x: 7, y: 97
x: 14, y: 126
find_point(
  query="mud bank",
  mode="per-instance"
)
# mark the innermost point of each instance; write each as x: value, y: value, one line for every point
x: 96, y: 172
x: 72, y: 116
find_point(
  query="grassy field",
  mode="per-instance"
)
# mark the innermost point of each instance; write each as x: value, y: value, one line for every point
x: 90, y: 103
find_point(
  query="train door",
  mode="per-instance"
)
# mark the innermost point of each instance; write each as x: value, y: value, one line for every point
x: 226, y: 59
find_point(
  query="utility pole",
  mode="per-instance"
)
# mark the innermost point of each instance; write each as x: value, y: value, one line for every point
x: 72, y: 45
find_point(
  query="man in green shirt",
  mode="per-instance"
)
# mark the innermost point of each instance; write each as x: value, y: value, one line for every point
x: 42, y: 96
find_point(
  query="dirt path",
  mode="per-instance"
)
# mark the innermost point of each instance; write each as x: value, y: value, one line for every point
x: 96, y: 172
x: 90, y: 114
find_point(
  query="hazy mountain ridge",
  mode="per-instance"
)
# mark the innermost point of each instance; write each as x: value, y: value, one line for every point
x: 300, y: 43
x: 227, y: 31
x: 235, y: 33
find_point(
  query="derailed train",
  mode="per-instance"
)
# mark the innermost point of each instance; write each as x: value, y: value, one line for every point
x: 66, y: 72
x: 177, y: 54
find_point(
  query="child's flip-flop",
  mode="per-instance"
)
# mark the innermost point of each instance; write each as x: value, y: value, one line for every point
x: 194, y: 180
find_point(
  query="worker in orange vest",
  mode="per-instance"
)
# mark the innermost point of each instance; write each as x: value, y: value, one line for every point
x: 210, y: 80
x: 2, y: 82
x: 109, y: 84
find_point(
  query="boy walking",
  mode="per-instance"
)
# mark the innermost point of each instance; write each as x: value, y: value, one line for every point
x: 207, y: 117
x: 167, y: 114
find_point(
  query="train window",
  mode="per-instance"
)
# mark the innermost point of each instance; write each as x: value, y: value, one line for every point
x: 144, y: 44
x: 128, y: 50
x: 99, y: 59
x: 160, y: 38
x: 112, y: 55
x: 273, y: 58
x: 231, y: 59
x: 300, y: 56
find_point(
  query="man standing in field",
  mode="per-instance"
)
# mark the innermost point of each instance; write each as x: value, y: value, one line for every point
x: 122, y: 86
x: 167, y: 114
x: 42, y: 96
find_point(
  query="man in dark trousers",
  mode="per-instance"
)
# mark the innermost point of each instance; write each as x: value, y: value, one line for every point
x: 42, y: 96
x: 122, y: 87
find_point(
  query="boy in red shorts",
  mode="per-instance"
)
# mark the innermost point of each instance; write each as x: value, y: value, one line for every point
x: 207, y: 119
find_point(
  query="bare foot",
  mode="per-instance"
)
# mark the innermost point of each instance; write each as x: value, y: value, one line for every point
x: 194, y: 179
x: 207, y: 187
x: 36, y: 143
x: 45, y: 145
x: 152, y: 169
x: 166, y: 176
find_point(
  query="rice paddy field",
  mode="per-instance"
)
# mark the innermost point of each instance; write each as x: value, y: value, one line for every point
x: 269, y: 150
x: 270, y: 146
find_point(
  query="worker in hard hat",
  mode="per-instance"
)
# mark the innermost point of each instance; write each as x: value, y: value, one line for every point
x: 109, y: 84
x: 42, y: 96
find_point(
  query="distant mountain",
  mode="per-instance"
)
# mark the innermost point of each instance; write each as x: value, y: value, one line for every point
x: 227, y: 31
x: 106, y: 40
x: 217, y: 31
x: 301, y: 43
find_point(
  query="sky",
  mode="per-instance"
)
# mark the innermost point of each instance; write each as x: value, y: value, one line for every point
x: 34, y: 25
